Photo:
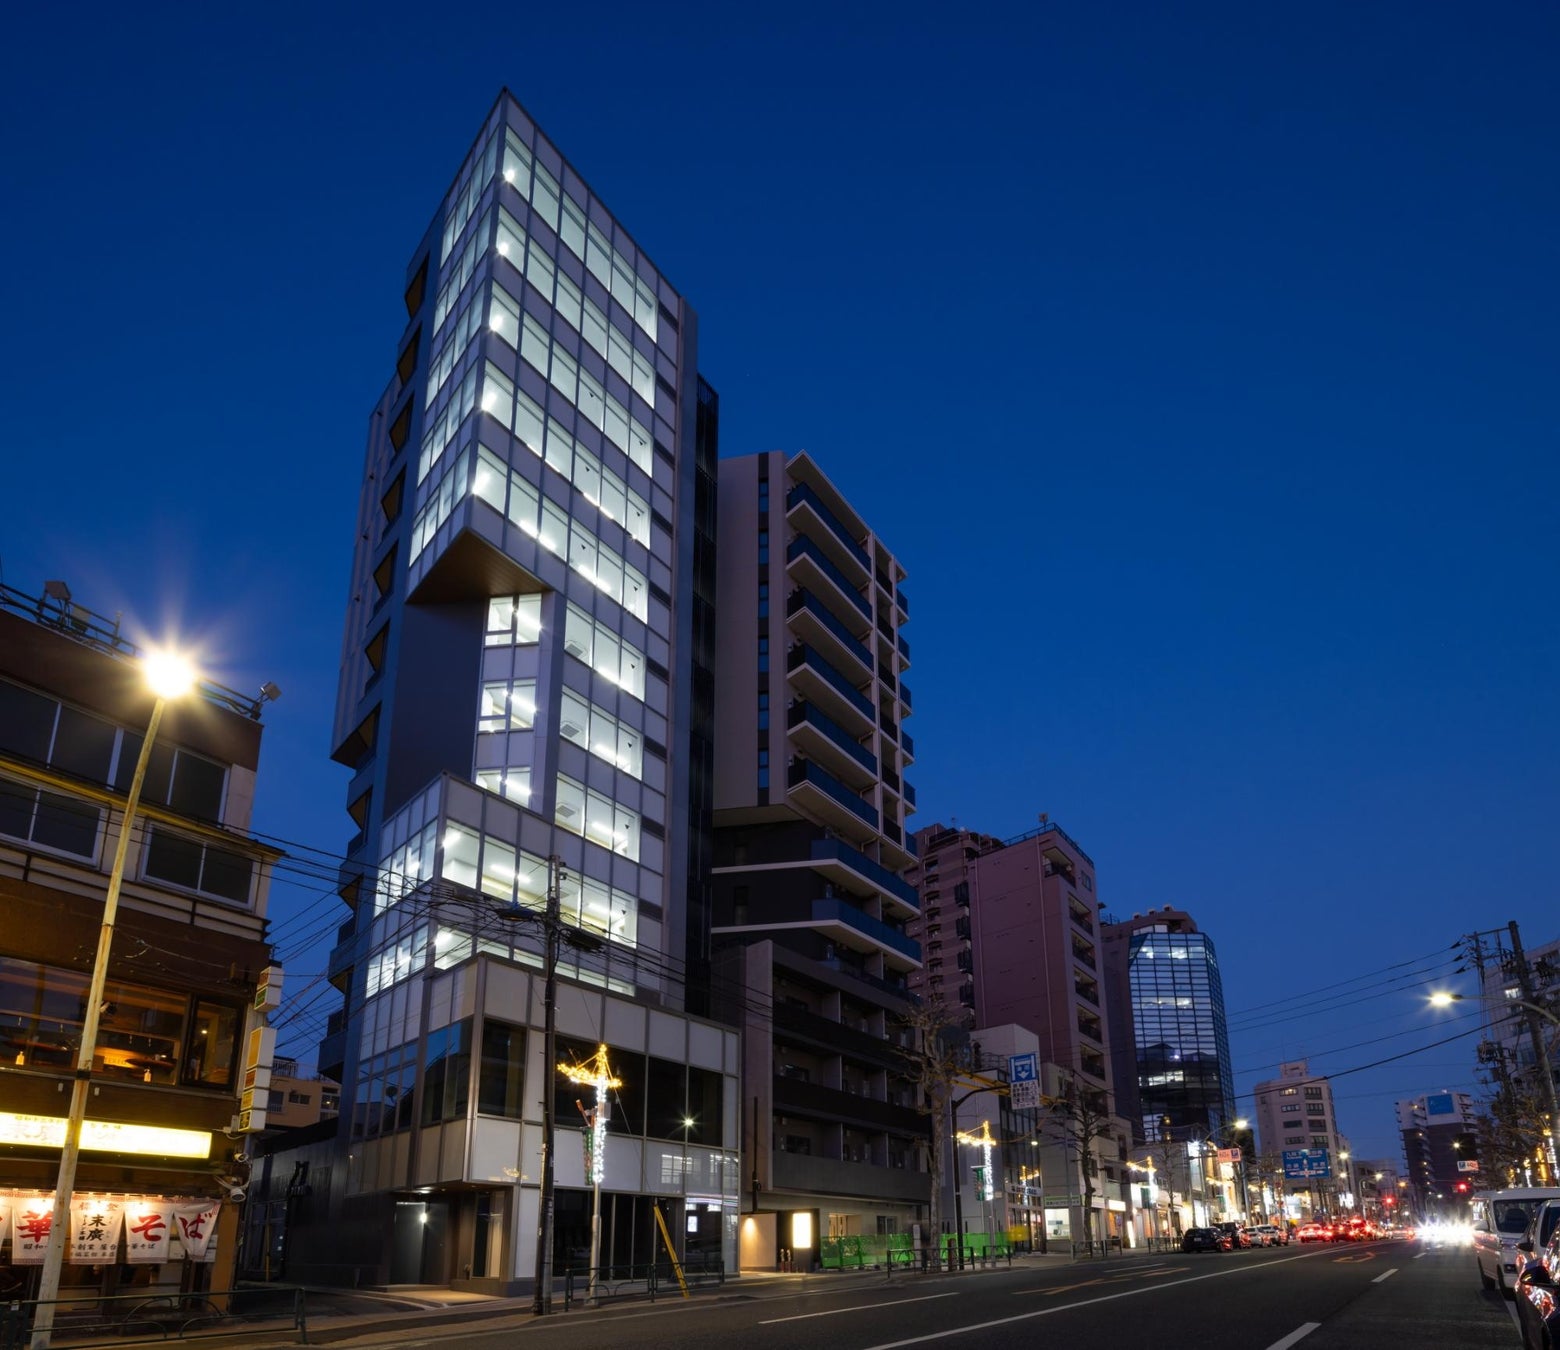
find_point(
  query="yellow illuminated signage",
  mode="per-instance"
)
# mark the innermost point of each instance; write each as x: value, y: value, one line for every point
x: 105, y: 1136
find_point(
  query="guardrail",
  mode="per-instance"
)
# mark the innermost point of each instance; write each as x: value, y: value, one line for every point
x: 649, y: 1280
x: 116, y: 1318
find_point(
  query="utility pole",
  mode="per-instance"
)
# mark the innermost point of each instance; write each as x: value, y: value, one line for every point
x: 1541, y: 1063
x: 541, y: 1298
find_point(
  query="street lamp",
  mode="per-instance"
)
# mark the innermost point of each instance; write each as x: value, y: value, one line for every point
x: 169, y: 677
x: 595, y: 1073
x: 984, y: 1141
x: 1443, y: 999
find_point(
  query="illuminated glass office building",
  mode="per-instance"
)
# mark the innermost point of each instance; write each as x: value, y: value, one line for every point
x: 1168, y: 973
x: 525, y: 702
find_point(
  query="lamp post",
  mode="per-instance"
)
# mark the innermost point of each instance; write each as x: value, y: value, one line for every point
x: 169, y: 677
x: 596, y: 1074
x: 1540, y: 1057
x: 983, y: 1141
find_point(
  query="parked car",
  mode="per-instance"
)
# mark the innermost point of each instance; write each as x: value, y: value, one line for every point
x: 1500, y: 1222
x: 1239, y: 1234
x: 1205, y: 1240
x: 1537, y: 1298
x: 1270, y: 1235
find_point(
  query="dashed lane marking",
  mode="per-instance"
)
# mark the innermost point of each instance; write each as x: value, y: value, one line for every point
x: 1295, y: 1336
x: 1385, y: 1275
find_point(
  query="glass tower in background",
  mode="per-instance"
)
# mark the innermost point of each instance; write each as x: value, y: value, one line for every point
x: 1180, y: 1039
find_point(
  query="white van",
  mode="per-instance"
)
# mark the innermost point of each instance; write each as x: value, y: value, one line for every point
x: 1500, y: 1218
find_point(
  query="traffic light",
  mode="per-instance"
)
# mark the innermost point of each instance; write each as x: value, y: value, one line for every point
x: 1462, y: 1188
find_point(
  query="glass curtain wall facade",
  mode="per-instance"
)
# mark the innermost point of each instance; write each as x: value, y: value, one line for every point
x: 1181, y: 1039
x: 517, y: 707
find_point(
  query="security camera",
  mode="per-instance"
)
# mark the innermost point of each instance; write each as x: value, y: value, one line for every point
x: 237, y: 1193
x: 241, y: 1157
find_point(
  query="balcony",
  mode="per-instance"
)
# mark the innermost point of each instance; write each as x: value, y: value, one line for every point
x: 909, y: 794
x: 816, y: 680
x: 810, y: 566
x: 813, y: 621
x: 904, y: 693
x: 1083, y: 955
x: 338, y: 969
x: 854, y: 928
x: 903, y: 601
x: 825, y: 798
x: 903, y: 647
x: 906, y: 741
x: 804, y: 506
x: 836, y: 856
x: 831, y: 745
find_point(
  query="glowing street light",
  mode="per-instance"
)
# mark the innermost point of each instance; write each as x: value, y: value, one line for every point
x: 984, y: 1141
x: 169, y: 677
x: 1444, y: 999
x: 595, y: 1073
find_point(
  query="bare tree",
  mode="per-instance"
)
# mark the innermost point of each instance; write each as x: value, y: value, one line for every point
x: 935, y: 1061
x: 1078, y: 1119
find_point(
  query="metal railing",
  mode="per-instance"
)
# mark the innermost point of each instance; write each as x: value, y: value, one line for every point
x: 648, y: 1280
x: 115, y: 1318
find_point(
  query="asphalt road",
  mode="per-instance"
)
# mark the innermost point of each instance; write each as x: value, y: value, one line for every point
x: 1373, y: 1296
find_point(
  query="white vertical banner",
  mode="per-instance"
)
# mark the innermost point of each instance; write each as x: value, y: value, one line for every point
x: 148, y: 1225
x: 95, y: 1223
x: 5, y: 1218
x: 196, y: 1222
x: 33, y: 1217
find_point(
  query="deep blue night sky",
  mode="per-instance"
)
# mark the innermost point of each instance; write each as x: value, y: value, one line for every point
x: 1199, y: 365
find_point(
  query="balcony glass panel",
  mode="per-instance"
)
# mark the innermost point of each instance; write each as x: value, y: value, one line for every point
x: 802, y: 493
x: 803, y: 546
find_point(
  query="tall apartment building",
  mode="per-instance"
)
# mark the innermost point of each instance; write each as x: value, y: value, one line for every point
x: 525, y: 704
x: 188, y: 948
x: 941, y: 876
x: 810, y: 843
x: 1440, y: 1150
x: 1295, y: 1117
x: 1165, y: 975
x: 1021, y: 921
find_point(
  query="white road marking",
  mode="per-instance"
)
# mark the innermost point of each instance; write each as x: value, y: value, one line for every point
x: 1385, y: 1275
x: 1090, y: 1302
x: 1295, y: 1336
x: 864, y: 1307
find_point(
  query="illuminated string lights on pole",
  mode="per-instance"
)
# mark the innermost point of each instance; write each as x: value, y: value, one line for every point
x: 984, y: 1141
x: 595, y: 1073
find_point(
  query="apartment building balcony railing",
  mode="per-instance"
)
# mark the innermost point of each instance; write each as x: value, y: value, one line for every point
x: 904, y: 694
x: 808, y: 560
x: 1050, y: 827
x: 903, y: 601
x: 861, y: 932
x: 906, y: 741
x: 815, y: 622
x: 903, y: 645
x: 820, y: 681
x: 909, y: 794
x: 826, y: 740
x: 829, y: 797
x: 838, y: 851
x: 801, y: 499
x: 1083, y: 954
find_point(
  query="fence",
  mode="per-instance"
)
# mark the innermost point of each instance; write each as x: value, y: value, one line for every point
x: 894, y: 1251
x: 649, y: 1280
x: 116, y: 1318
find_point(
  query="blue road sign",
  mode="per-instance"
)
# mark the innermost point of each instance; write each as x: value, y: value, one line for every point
x: 1024, y: 1068
x: 1307, y: 1164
